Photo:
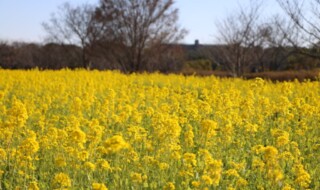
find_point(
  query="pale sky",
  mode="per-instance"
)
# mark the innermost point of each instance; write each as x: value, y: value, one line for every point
x: 21, y: 19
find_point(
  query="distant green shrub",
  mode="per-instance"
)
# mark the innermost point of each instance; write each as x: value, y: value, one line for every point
x: 201, y: 64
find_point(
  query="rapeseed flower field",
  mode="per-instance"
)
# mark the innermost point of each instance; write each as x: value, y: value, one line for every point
x: 105, y: 130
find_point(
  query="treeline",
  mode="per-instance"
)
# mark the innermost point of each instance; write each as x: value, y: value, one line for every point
x: 178, y: 58
x: 140, y: 35
x: 250, y: 60
x: 20, y: 55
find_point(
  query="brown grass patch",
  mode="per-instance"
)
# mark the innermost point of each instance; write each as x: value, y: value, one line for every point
x: 300, y: 75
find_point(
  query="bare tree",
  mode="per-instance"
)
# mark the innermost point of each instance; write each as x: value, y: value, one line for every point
x: 280, y: 37
x: 305, y: 18
x: 239, y: 35
x: 72, y: 25
x: 137, y: 29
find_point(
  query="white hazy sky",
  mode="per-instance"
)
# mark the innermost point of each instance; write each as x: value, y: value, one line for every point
x: 21, y: 19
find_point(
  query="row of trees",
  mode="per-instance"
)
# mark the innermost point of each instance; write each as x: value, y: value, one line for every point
x: 19, y: 55
x: 252, y: 42
x: 142, y: 35
x: 130, y: 35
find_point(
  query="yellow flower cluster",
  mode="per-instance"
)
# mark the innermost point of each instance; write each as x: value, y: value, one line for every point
x: 104, y: 130
x: 61, y: 181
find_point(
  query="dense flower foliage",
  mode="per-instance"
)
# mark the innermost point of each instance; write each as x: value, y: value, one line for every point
x: 105, y: 130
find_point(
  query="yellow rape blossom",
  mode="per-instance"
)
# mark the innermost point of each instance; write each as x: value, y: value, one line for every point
x: 232, y: 172
x: 303, y: 178
x: 169, y: 186
x: 136, y: 177
x: 33, y: 186
x: 89, y: 166
x: 103, y: 164
x: 195, y: 184
x: 207, y: 180
x: 115, y: 144
x: 61, y: 180
x: 60, y: 161
x: 3, y: 154
x: 190, y: 158
x: 208, y: 128
x: 79, y: 129
x: 241, y: 182
x: 99, y: 186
